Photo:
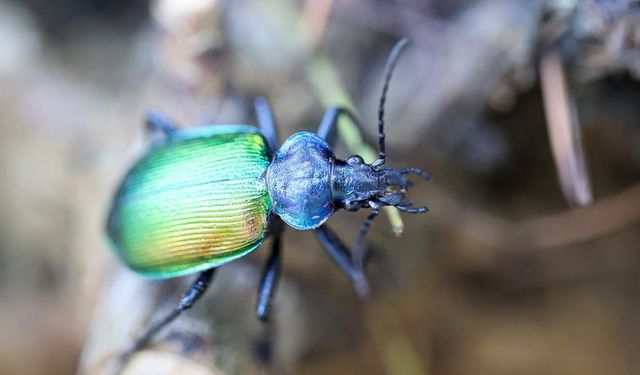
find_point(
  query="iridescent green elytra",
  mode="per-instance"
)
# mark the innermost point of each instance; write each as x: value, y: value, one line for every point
x: 198, y: 201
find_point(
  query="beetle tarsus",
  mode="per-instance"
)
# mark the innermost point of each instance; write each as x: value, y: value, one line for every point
x: 189, y: 298
x: 361, y: 285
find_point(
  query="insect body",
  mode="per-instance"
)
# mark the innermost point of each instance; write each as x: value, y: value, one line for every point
x: 205, y: 196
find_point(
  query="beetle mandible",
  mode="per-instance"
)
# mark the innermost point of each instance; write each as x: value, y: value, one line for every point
x: 205, y: 196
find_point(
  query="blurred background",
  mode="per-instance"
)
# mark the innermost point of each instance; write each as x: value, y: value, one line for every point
x: 526, y: 112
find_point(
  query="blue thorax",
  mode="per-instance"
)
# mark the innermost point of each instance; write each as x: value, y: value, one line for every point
x: 299, y: 181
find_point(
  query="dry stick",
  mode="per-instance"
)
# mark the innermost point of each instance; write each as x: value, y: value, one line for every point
x: 564, y: 132
x: 313, y: 21
x: 605, y: 216
x: 387, y: 331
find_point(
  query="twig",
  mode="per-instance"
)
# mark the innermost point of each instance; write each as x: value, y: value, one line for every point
x: 313, y: 20
x: 564, y: 132
x: 603, y: 217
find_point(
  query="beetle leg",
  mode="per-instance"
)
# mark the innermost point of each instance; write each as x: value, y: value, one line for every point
x: 266, y: 122
x: 195, y: 291
x: 158, y: 122
x: 341, y: 256
x: 269, y: 280
x: 328, y: 125
x: 359, y: 252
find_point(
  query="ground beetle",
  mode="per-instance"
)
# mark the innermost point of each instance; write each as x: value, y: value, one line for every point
x: 205, y: 196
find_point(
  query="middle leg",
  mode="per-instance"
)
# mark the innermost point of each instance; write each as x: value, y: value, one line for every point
x: 269, y: 280
x: 328, y: 126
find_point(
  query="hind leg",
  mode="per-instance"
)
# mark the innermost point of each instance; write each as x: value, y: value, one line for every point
x: 189, y: 298
x: 269, y: 280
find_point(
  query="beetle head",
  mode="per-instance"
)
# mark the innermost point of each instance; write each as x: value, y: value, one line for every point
x: 361, y: 185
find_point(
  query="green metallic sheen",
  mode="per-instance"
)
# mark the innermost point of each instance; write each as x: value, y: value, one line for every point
x: 196, y: 202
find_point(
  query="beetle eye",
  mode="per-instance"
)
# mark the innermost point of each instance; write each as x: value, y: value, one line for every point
x: 351, y: 206
x: 355, y: 159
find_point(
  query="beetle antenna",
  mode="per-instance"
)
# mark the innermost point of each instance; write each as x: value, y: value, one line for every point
x: 391, y: 63
x: 406, y: 206
x: 411, y: 210
x: 424, y: 174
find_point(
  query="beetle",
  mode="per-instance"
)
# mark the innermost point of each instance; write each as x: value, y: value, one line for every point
x: 205, y: 196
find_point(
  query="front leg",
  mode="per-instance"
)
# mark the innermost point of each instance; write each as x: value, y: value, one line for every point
x: 342, y: 257
x: 328, y: 126
x: 359, y: 253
